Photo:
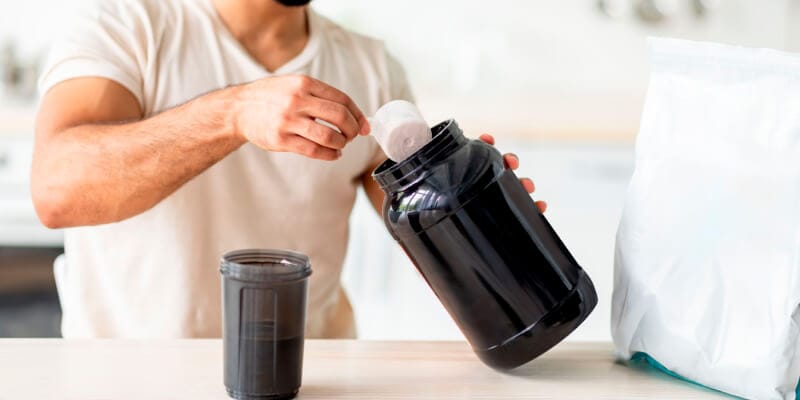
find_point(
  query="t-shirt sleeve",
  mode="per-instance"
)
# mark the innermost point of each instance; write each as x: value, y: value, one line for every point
x: 400, y: 88
x: 103, y: 39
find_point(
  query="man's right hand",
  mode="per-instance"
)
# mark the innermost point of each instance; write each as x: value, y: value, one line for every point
x: 280, y: 114
x: 99, y: 159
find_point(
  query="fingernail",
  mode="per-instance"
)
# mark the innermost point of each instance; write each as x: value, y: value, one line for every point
x: 365, y: 128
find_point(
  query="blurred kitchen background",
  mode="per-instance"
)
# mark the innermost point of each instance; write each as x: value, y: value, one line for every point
x: 559, y: 82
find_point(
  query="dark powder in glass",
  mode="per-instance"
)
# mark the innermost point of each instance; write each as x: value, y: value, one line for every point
x: 267, y: 367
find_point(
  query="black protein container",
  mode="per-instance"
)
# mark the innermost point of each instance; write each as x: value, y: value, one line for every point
x: 482, y: 245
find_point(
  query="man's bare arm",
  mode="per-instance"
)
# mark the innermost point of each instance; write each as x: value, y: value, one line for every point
x: 373, y: 190
x: 96, y: 160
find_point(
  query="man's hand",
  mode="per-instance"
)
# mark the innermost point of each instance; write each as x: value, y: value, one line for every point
x: 279, y: 114
x: 512, y: 161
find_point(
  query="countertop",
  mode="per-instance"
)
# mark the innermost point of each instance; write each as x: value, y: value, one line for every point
x: 334, y: 369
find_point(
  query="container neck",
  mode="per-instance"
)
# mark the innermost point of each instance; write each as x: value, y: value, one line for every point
x: 264, y: 265
x: 447, y: 139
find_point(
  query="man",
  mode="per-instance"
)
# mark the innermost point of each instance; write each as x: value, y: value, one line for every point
x: 172, y: 131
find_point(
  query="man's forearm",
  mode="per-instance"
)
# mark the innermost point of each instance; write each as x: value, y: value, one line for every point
x: 87, y: 171
x: 373, y: 190
x: 99, y: 173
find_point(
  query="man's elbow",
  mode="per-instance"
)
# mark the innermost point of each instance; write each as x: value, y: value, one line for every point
x: 51, y: 214
x: 51, y: 206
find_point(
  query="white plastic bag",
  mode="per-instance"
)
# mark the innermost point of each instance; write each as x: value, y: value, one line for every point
x: 707, y: 264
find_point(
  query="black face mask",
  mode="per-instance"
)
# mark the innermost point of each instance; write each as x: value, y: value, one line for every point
x: 293, y: 3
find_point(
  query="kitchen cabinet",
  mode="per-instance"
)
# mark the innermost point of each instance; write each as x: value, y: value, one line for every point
x: 28, y: 301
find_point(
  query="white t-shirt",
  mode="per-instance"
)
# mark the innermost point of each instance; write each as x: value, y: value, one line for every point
x: 157, y: 274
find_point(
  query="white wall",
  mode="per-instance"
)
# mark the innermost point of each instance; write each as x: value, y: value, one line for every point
x: 526, y: 68
x: 541, y: 68
x: 31, y: 24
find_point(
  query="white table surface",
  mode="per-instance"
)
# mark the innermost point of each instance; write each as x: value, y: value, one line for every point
x: 192, y: 369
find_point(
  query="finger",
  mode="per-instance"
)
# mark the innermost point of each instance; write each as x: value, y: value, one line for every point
x: 511, y: 160
x: 300, y: 145
x: 487, y: 138
x: 330, y: 93
x: 527, y: 183
x: 542, y: 206
x: 321, y: 134
x: 332, y: 113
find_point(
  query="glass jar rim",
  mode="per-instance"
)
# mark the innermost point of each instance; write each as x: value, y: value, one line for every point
x: 265, y: 265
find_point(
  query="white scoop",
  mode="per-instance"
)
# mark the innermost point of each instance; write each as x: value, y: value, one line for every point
x: 400, y: 130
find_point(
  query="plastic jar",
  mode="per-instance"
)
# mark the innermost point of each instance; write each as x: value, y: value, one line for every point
x: 482, y: 245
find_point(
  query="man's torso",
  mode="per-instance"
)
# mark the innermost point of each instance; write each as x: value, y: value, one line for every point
x: 156, y: 274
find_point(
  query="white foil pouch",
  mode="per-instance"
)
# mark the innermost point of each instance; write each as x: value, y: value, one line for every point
x: 707, y: 262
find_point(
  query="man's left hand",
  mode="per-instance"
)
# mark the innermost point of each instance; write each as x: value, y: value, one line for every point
x: 512, y: 161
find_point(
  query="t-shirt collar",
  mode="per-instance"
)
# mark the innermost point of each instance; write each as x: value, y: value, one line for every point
x: 297, y: 63
x: 309, y: 51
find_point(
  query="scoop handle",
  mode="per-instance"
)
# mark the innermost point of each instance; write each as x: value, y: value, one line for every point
x: 375, y: 127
